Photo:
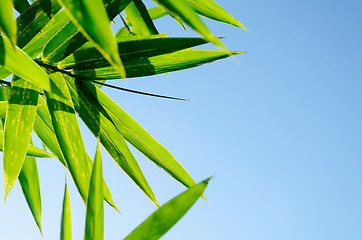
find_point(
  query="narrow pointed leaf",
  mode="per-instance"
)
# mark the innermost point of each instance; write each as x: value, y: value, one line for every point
x: 66, y: 221
x: 22, y: 65
x: 212, y: 10
x: 140, y: 138
x: 156, y: 225
x: 20, y: 116
x: 29, y: 182
x: 94, y: 226
x: 68, y: 38
x: 7, y: 21
x: 137, y: 14
x: 156, y: 65
x: 137, y: 47
x: 182, y: 9
x: 44, y: 130
x: 69, y: 138
x: 100, y: 124
x: 91, y: 18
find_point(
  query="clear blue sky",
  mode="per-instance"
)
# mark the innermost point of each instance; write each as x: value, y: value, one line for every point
x: 279, y: 128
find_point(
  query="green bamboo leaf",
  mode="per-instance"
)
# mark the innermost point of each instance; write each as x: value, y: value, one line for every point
x: 91, y: 18
x: 44, y: 130
x: 140, y: 138
x: 100, y: 124
x: 137, y: 47
x: 165, y: 63
x: 94, y: 226
x: 32, y: 151
x: 182, y: 9
x: 20, y: 116
x: 69, y: 138
x: 21, y: 5
x: 7, y: 21
x: 212, y: 10
x: 23, y: 66
x: 3, y: 107
x: 137, y: 14
x: 68, y: 38
x: 66, y: 222
x: 31, y: 21
x: 29, y: 182
x: 156, y: 225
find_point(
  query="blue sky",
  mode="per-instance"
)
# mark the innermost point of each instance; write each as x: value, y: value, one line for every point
x: 279, y: 128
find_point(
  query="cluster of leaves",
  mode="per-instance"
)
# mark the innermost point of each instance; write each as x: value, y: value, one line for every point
x: 59, y: 53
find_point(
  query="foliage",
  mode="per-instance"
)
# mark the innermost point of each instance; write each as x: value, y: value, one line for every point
x: 59, y: 53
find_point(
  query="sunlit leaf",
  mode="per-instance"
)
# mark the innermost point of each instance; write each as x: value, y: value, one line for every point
x: 94, y: 226
x: 130, y: 48
x: 7, y: 21
x: 20, y: 116
x: 212, y: 10
x: 156, y: 65
x: 140, y: 138
x: 23, y: 66
x: 91, y: 18
x: 66, y: 221
x: 156, y: 225
x: 29, y: 182
x: 100, y: 124
x: 182, y: 9
x: 137, y: 14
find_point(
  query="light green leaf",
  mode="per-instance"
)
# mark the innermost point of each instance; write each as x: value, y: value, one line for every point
x: 138, y: 15
x: 212, y: 10
x: 3, y: 107
x: 21, y: 5
x: 44, y: 130
x: 156, y: 225
x: 23, y: 66
x: 20, y: 116
x: 67, y: 131
x: 91, y: 18
x: 29, y: 182
x: 137, y: 47
x: 182, y: 9
x: 156, y: 65
x: 94, y: 226
x: 7, y: 21
x: 140, y: 138
x: 66, y: 222
x: 100, y: 124
x: 67, y: 37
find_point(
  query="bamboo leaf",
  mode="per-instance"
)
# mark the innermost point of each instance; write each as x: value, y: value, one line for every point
x: 31, y: 21
x: 212, y: 10
x: 156, y: 65
x: 156, y: 225
x: 182, y: 9
x: 29, y: 182
x: 91, y: 18
x: 23, y: 66
x: 69, y: 138
x: 68, y: 38
x: 94, y: 227
x: 7, y: 21
x: 140, y: 138
x: 66, y: 222
x: 137, y: 13
x: 100, y: 124
x: 44, y: 130
x: 20, y: 116
x: 130, y: 48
